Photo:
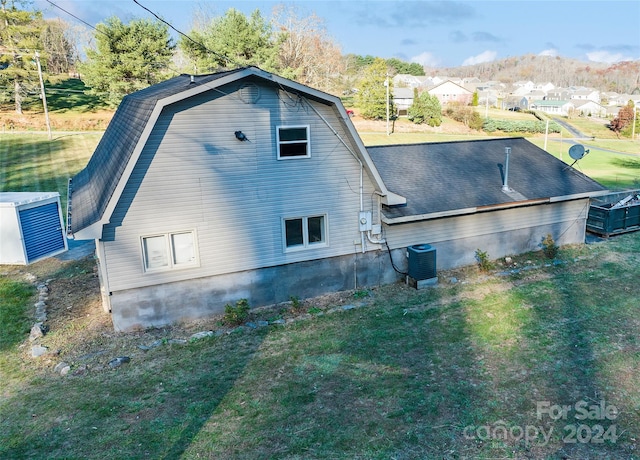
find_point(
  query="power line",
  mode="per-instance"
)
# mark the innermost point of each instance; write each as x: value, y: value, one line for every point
x: 76, y: 17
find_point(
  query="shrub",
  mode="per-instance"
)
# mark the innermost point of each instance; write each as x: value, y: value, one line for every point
x: 484, y: 262
x: 549, y: 247
x: 236, y: 315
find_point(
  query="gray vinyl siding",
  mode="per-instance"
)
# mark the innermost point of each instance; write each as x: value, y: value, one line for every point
x: 193, y: 174
x: 570, y: 213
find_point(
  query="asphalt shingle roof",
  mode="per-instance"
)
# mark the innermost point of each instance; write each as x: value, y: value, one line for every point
x: 449, y: 176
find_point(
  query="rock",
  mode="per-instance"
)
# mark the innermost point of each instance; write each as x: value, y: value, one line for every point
x: 278, y: 321
x: 348, y: 307
x: 177, y: 341
x: 38, y: 350
x: 453, y: 280
x: 201, y: 335
x: 37, y: 331
x: 119, y: 361
x: 62, y: 368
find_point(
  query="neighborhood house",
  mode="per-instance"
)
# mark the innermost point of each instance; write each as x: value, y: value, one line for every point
x: 242, y: 184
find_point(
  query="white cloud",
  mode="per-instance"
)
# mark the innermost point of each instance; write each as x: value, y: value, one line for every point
x: 606, y: 56
x: 486, y: 56
x: 426, y: 59
x: 550, y: 52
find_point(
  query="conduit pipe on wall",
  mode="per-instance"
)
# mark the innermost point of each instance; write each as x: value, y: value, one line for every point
x: 361, y: 186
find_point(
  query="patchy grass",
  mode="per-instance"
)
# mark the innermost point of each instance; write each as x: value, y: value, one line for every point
x: 405, y: 374
x: 14, y: 320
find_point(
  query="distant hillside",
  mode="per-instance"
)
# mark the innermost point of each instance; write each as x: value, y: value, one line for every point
x: 623, y: 77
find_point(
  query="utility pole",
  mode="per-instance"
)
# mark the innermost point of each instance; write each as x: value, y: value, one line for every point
x: 633, y: 126
x: 44, y: 97
x: 386, y: 83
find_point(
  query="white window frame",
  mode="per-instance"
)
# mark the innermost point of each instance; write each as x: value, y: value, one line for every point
x: 279, y: 142
x: 172, y: 259
x: 306, y: 244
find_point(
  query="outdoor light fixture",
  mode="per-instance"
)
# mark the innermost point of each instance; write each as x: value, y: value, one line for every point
x: 240, y: 136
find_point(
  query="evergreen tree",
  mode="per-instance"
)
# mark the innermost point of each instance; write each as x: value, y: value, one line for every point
x: 425, y: 109
x: 372, y: 91
x: 231, y: 41
x: 19, y: 40
x: 128, y: 57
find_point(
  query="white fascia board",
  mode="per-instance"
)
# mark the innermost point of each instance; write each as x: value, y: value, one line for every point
x: 430, y: 216
x: 577, y: 196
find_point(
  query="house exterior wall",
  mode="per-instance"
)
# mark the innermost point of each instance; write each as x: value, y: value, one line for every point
x: 194, y: 175
x: 499, y: 233
x: 159, y: 305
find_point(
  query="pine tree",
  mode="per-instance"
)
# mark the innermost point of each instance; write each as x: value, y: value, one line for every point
x: 425, y: 109
x: 372, y: 91
x: 233, y: 40
x: 19, y: 40
x: 128, y: 57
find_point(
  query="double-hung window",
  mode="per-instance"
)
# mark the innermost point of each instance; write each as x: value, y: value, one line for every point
x: 305, y: 232
x: 293, y: 142
x: 169, y: 251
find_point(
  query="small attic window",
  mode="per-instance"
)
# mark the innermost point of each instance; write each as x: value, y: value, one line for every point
x: 293, y: 142
x: 249, y: 93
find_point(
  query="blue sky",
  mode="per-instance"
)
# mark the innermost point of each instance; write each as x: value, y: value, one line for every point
x: 433, y: 33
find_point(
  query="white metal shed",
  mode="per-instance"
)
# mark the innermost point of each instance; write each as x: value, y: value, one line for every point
x: 31, y: 227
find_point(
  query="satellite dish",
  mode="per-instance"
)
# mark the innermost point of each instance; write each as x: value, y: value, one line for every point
x: 576, y: 151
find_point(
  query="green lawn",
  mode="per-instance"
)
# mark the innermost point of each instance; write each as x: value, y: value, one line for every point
x: 617, y: 171
x: 32, y: 163
x: 406, y: 374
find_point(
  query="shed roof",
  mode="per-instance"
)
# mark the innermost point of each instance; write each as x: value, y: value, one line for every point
x: 448, y: 178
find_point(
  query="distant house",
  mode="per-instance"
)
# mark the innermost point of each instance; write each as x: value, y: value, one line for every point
x: 590, y: 108
x: 586, y: 94
x: 411, y: 81
x: 449, y: 91
x: 553, y: 107
x: 511, y: 102
x: 402, y: 99
x: 546, y: 87
x: 242, y: 184
x: 558, y: 94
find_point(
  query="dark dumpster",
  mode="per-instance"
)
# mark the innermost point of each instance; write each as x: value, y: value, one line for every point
x: 614, y: 213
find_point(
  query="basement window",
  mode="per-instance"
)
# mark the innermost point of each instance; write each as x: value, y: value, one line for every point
x: 305, y: 232
x: 169, y: 251
x: 293, y: 142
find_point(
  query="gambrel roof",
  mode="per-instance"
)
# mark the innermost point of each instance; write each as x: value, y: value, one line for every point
x: 452, y: 178
x: 94, y: 191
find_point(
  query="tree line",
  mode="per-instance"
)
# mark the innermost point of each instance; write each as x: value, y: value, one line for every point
x: 125, y: 57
